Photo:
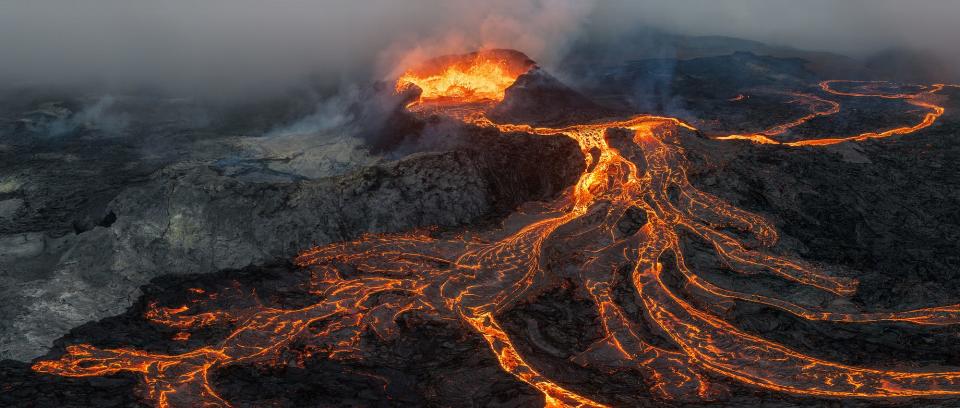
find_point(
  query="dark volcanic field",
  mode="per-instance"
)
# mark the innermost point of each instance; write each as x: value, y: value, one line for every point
x: 883, y: 211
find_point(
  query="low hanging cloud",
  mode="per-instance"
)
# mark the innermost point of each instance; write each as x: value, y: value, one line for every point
x: 855, y: 27
x: 246, y: 47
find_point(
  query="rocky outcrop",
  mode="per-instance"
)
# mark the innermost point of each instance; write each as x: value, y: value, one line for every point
x: 540, y: 99
x: 194, y: 218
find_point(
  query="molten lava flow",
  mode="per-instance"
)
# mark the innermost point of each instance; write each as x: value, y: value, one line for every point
x: 477, y: 77
x: 818, y: 107
x: 635, y: 164
x: 867, y: 89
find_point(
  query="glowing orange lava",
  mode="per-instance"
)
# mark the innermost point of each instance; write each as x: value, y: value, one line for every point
x: 637, y: 164
x: 478, y: 77
x: 867, y: 89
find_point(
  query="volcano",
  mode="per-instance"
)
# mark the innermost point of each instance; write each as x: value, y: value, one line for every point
x: 481, y: 76
x: 617, y: 263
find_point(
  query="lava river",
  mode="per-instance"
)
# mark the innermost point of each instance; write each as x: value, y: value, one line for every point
x: 633, y: 164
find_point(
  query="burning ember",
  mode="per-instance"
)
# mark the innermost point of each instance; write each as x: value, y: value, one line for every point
x: 477, y: 77
x: 367, y: 284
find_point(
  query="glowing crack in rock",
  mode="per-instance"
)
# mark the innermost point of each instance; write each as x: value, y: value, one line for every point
x: 635, y: 163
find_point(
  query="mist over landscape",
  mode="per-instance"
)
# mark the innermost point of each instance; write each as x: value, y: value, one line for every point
x: 242, y: 48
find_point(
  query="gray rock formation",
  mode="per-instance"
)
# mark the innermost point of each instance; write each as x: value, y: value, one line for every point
x: 204, y: 217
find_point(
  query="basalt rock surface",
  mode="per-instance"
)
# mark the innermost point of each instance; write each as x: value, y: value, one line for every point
x: 882, y: 211
x: 432, y: 364
x: 203, y: 217
x: 540, y: 99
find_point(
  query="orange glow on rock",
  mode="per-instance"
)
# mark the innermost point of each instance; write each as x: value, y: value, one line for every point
x: 477, y: 77
x: 823, y: 107
x: 366, y: 285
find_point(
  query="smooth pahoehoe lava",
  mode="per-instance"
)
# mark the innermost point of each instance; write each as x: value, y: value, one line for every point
x: 632, y: 164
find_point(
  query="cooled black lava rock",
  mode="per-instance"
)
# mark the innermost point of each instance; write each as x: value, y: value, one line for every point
x: 190, y: 218
x: 537, y: 98
x: 883, y: 212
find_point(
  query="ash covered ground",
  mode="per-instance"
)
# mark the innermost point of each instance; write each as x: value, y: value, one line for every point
x: 110, y: 204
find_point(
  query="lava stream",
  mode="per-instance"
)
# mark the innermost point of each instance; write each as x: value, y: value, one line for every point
x: 870, y: 91
x: 369, y: 283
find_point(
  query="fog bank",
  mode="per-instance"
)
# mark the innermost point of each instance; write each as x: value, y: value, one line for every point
x: 246, y: 47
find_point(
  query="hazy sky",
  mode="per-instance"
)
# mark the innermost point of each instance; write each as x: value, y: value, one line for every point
x: 238, y: 46
x: 845, y: 26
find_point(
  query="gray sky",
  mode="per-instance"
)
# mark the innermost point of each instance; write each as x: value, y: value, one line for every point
x: 242, y: 46
x: 844, y: 26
